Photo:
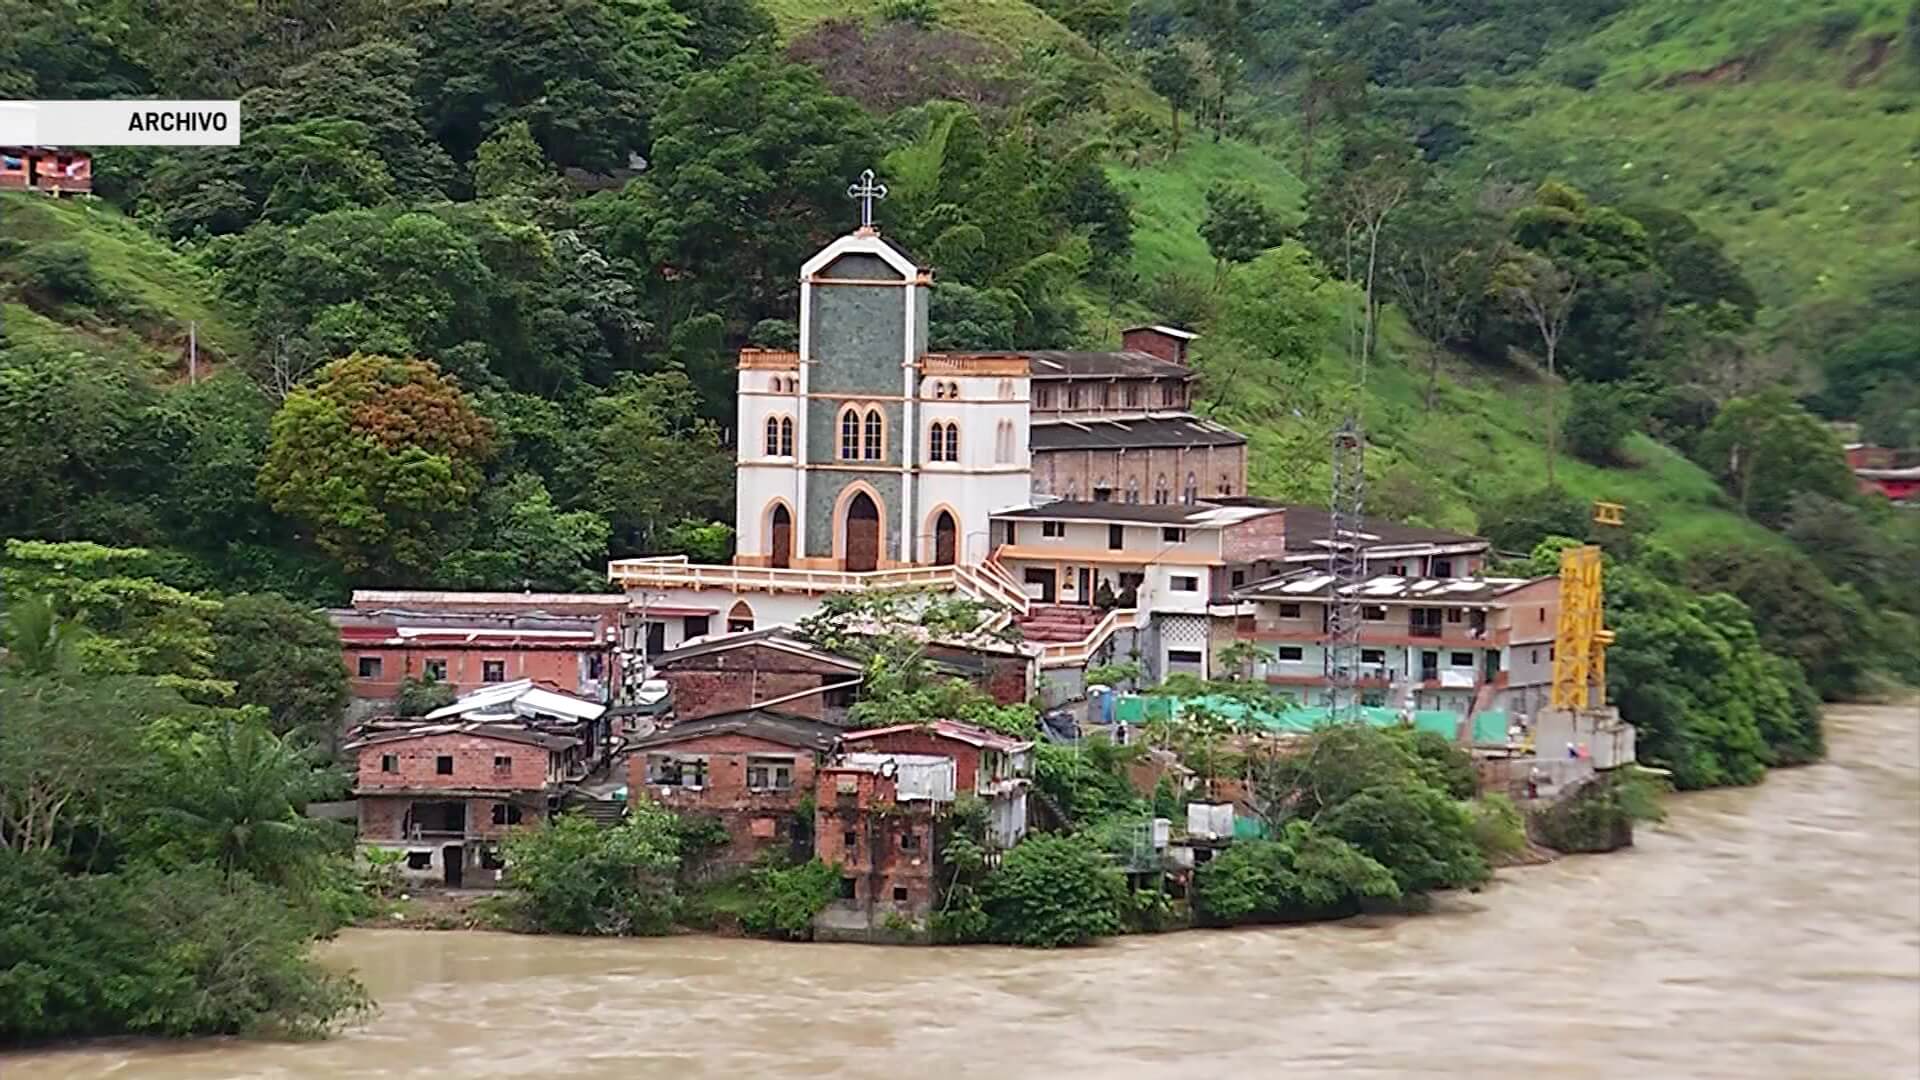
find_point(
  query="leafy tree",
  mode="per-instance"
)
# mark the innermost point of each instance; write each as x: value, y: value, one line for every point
x: 650, y: 460
x: 373, y: 455
x: 1238, y: 225
x: 315, y: 166
x: 73, y: 431
x: 719, y: 30
x: 963, y: 317
x: 509, y: 163
x: 786, y: 898
x: 1764, y: 449
x: 1538, y: 290
x: 1796, y: 612
x: 521, y: 540
x: 418, y: 697
x: 573, y: 877
x: 1275, y: 311
x: 285, y: 658
x: 1087, y: 783
x: 1599, y: 417
x: 1423, y: 838
x: 1330, y: 90
x: 1305, y: 873
x: 135, y: 623
x: 1437, y: 261
x: 1051, y: 891
x: 1170, y: 72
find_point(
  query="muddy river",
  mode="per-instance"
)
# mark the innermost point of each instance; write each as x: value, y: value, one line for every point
x: 1766, y: 932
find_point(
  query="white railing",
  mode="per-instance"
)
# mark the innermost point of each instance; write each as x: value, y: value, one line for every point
x: 986, y: 586
x: 1076, y: 653
x: 677, y: 573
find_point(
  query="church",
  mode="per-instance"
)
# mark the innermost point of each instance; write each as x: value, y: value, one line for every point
x: 1075, y: 488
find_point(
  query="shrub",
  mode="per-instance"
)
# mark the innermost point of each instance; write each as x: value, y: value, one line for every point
x: 1499, y: 830
x: 785, y: 899
x: 1599, y: 814
x: 61, y: 272
x: 1306, y: 873
x: 1054, y: 890
x: 571, y: 876
x: 418, y: 697
x: 1423, y: 838
x: 1599, y: 416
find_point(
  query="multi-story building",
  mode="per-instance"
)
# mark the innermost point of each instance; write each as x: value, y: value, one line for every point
x: 1459, y: 644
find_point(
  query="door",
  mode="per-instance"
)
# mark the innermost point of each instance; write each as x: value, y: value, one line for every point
x: 782, y: 539
x: 1044, y: 579
x: 1085, y: 585
x: 946, y: 537
x: 1429, y: 666
x: 863, y: 534
x: 454, y: 858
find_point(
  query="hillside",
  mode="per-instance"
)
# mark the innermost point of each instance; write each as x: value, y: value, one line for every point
x: 1789, y: 130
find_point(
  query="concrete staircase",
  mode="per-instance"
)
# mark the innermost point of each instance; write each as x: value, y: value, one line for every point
x: 1059, y: 623
x: 605, y: 813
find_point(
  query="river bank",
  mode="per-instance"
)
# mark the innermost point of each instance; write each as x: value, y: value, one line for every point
x: 1760, y: 932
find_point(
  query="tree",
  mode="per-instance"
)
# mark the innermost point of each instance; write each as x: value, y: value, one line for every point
x: 1276, y: 309
x: 373, y: 456
x: 521, y: 540
x: 1051, y: 891
x: 1171, y: 74
x: 1305, y: 873
x: 509, y: 163
x: 135, y: 623
x: 285, y: 658
x: 571, y: 876
x: 1599, y: 417
x: 1331, y: 90
x: 1436, y: 263
x: 651, y: 461
x: 1766, y: 448
x: 235, y: 799
x: 1238, y: 225
x: 1534, y: 287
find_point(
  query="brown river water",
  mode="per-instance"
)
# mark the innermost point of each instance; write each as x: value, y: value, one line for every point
x: 1764, y: 932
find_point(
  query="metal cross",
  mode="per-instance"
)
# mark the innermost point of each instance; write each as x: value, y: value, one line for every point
x: 867, y: 192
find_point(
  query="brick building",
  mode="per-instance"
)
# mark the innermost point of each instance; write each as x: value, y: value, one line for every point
x: 769, y: 668
x: 750, y: 770
x: 51, y: 169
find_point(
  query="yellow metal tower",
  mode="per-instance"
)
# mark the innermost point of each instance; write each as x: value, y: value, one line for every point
x: 1581, y: 639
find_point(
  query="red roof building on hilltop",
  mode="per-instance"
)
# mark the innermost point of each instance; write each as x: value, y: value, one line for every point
x: 51, y: 169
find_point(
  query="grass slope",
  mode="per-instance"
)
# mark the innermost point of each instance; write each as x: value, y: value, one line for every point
x: 1790, y: 130
x: 150, y: 293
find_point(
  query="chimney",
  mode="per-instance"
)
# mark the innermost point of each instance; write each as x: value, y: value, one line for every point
x: 1166, y: 342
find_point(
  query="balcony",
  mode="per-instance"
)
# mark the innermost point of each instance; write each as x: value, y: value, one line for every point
x: 1426, y: 630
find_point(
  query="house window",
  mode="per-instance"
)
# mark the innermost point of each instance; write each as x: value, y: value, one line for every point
x: 502, y: 765
x: 1191, y: 493
x: 1101, y: 492
x: 849, y: 434
x: 1289, y: 611
x: 909, y: 841
x: 1183, y: 656
x: 1173, y: 536
x: 1443, y: 568
x: 1133, y: 491
x: 1239, y: 578
x: 943, y: 442
x: 1160, y: 490
x: 677, y: 770
x: 506, y: 814
x: 1053, y: 530
x: 850, y: 839
x: 419, y: 860
x: 848, y: 888
x: 1186, y: 583
x: 1225, y: 487
x: 1460, y: 659
x: 1454, y: 614
x: 899, y: 894
x: 443, y: 765
x: 1533, y: 656
x: 1116, y: 537
x: 493, y: 671
x: 773, y: 436
x: 769, y: 773
x: 1373, y: 613
x: 1043, y: 397
x: 1132, y: 394
x: 1291, y: 653
x: 1106, y: 396
x: 1003, y: 442
x: 1073, y: 397
x: 1373, y: 656
x: 390, y: 763
x: 490, y: 859
x: 780, y: 436
x: 437, y: 670
x: 369, y: 667
x: 870, y: 447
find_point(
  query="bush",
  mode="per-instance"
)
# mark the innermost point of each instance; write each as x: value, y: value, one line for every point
x: 61, y: 272
x: 571, y: 876
x: 185, y: 952
x: 1599, y: 417
x: 1438, y: 761
x: 1423, y: 838
x: 785, y: 899
x: 1054, y: 890
x: 1305, y: 874
x: 1499, y: 830
x: 418, y: 697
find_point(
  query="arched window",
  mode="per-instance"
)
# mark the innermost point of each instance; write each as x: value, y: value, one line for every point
x: 773, y: 436
x: 943, y: 441
x: 1073, y: 491
x: 739, y: 618
x: 1133, y: 490
x: 1191, y: 493
x: 953, y: 391
x: 1003, y: 443
x: 786, y: 436
x: 1006, y: 389
x: 1160, y: 490
x: 875, y: 436
x: 849, y: 434
x: 1226, y: 484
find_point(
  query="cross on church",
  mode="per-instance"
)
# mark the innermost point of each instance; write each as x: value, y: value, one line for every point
x: 867, y: 192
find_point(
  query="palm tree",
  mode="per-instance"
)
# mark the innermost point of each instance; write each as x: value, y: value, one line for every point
x: 38, y: 639
x: 241, y: 796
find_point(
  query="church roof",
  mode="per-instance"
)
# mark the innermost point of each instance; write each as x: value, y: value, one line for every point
x: 1137, y: 433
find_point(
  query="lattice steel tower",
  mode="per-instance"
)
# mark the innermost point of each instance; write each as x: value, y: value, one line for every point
x: 1347, y: 566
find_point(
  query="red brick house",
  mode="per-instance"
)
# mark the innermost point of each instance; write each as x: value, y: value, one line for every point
x: 52, y: 169
x: 986, y: 763
x: 772, y: 668
x: 446, y: 793
x: 750, y: 769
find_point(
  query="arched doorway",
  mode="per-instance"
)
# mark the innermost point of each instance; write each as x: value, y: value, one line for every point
x: 739, y: 618
x: 945, y: 539
x: 863, y: 533
x: 781, y: 538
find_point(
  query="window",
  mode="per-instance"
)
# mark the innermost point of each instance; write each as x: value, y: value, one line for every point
x: 506, y: 814
x: 1173, y: 536
x: 1133, y: 491
x: 419, y: 860
x: 1116, y: 537
x: 677, y: 770
x: 779, y: 436
x: 1013, y: 528
x: 1373, y: 656
x: 1101, y: 492
x: 1186, y: 583
x: 502, y: 764
x: 1132, y: 395
x: 1160, y: 490
x: 1460, y: 659
x: 1534, y: 658
x: 490, y: 859
x: 1166, y: 395
x: 1053, y: 530
x: 1106, y: 395
x: 1239, y: 578
x: 389, y: 762
x: 1006, y: 389
x: 899, y: 894
x: 1292, y: 653
x: 1191, y: 493
x: 909, y: 841
x: 1003, y: 442
x: 870, y: 449
x: 849, y: 435
x: 1442, y: 567
x: 769, y: 773
x: 493, y: 671
x: 1225, y: 487
x: 1183, y: 656
x: 694, y: 626
x: 369, y: 667
x: 1543, y: 614
x: 847, y: 888
x: 443, y: 765
x: 850, y: 839
x: 739, y: 618
x: 1289, y: 611
x: 773, y: 436
x: 1073, y: 397
x: 943, y: 441
x: 1454, y: 614
x: 437, y: 670
x: 1373, y: 613
x: 1043, y: 397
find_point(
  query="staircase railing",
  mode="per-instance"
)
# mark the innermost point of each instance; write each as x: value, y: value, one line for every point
x: 1077, y: 653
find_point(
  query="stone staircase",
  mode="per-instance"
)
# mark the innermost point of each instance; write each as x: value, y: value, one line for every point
x: 605, y: 813
x: 1059, y: 623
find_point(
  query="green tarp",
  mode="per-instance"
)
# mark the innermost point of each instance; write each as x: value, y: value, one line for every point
x: 1489, y: 728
